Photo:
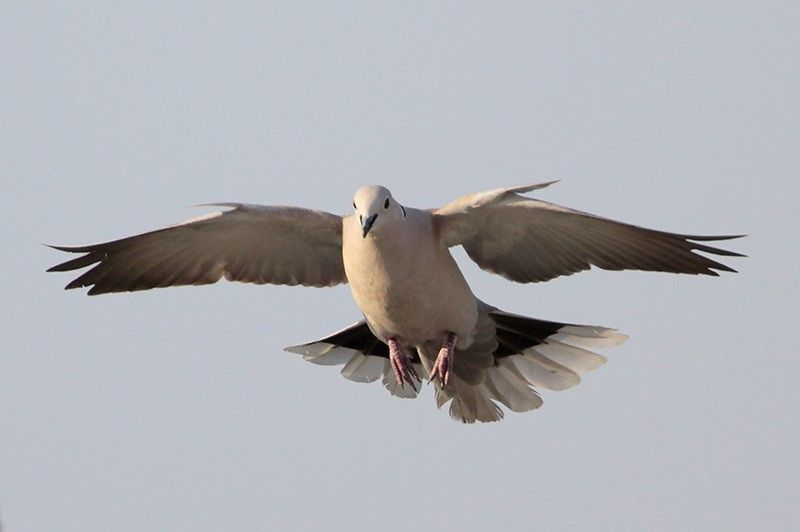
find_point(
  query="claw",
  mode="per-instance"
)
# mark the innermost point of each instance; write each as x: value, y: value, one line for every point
x: 443, y: 366
x: 402, y: 367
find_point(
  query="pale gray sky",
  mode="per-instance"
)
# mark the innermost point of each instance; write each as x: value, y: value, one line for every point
x: 178, y: 410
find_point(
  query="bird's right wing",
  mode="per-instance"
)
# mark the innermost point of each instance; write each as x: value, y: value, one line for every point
x: 248, y: 243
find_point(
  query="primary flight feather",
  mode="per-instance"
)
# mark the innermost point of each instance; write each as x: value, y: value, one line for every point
x: 420, y: 315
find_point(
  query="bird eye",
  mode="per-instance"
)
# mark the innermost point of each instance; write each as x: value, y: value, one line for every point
x: 386, y: 204
x: 354, y: 205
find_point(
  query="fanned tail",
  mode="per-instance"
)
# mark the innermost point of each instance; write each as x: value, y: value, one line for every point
x: 510, y: 358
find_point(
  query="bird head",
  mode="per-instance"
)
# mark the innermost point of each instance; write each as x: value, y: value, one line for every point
x: 375, y: 207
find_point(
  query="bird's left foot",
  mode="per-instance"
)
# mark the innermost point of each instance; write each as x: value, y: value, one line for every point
x: 443, y: 366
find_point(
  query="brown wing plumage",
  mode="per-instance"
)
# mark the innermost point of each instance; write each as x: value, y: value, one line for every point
x: 528, y: 240
x: 249, y: 243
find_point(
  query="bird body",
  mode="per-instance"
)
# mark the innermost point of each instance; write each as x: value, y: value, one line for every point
x: 420, y: 315
x: 394, y: 288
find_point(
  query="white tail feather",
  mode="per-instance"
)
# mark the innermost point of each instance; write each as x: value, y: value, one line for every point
x: 574, y: 358
x: 541, y: 371
x: 473, y: 403
x: 323, y: 353
x: 587, y: 336
x: 469, y: 402
x: 390, y: 383
x: 362, y: 368
x: 511, y: 389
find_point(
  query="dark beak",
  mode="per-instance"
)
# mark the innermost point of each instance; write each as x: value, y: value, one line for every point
x: 367, y: 224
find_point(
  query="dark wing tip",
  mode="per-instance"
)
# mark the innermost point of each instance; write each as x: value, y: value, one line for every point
x: 92, y: 254
x: 95, y: 291
x: 73, y: 249
x: 79, y: 282
x: 721, y: 268
x: 713, y: 250
x: 710, y: 249
x: 711, y: 238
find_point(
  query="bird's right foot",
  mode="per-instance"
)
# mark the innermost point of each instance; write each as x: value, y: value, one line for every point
x: 404, y: 371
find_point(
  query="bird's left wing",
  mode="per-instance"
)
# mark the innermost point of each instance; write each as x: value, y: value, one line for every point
x: 528, y: 240
x: 248, y: 243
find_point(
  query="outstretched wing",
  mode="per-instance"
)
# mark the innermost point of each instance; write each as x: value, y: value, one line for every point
x: 527, y: 240
x: 248, y: 243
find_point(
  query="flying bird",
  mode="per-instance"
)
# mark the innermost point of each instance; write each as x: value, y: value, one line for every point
x: 421, y: 319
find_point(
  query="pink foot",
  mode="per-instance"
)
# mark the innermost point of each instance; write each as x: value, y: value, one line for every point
x: 443, y: 366
x: 401, y: 365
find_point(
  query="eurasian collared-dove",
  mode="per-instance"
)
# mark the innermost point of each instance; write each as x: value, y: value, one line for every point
x: 421, y: 318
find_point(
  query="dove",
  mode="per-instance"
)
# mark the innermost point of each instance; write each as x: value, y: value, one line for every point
x: 421, y: 318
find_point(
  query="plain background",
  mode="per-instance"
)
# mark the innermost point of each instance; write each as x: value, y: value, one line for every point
x: 178, y: 410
